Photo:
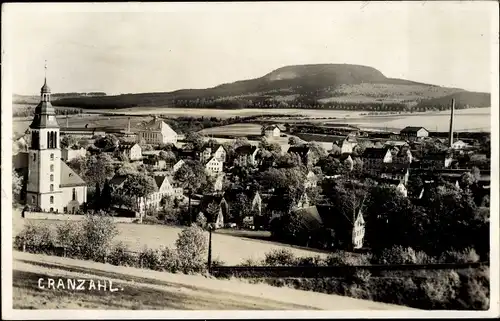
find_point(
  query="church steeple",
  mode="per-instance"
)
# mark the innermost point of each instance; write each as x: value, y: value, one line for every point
x: 45, y: 115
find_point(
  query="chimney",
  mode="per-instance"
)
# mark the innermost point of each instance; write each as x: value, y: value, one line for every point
x: 67, y: 121
x: 450, y: 140
x: 128, y: 128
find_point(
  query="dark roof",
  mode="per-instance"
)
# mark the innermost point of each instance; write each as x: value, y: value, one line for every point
x: 310, y: 217
x: 335, y: 220
x: 159, y: 180
x: 372, y: 152
x: 271, y: 127
x: 69, y: 177
x: 41, y: 119
x: 412, y: 129
x: 117, y: 180
x: 246, y: 150
x: 301, y: 150
x: 435, y: 155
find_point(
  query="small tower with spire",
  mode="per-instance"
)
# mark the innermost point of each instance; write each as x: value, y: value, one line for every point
x: 43, y: 186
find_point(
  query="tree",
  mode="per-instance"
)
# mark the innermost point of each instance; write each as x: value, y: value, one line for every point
x: 336, y: 150
x: 330, y: 165
x: 97, y: 197
x: 126, y: 168
x: 106, y: 196
x: 98, y: 169
x: 292, y: 140
x: 212, y: 211
x: 240, y: 141
x: 195, y: 139
x: 167, y: 156
x: 68, y: 141
x: 17, y: 184
x: 240, y: 208
x: 106, y: 142
x: 140, y: 186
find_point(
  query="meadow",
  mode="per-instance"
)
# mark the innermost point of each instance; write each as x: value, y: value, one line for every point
x: 232, y: 250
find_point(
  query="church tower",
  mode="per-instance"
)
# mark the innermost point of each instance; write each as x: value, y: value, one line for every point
x: 43, y: 188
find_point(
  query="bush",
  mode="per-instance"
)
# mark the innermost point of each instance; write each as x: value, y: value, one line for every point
x: 468, y: 255
x: 310, y: 261
x: 97, y: 234
x: 280, y: 257
x: 343, y: 258
x: 69, y: 235
x: 169, y: 260
x: 250, y: 262
x: 475, y: 290
x: 150, y: 259
x: 401, y: 255
x: 192, y: 248
x: 441, y: 290
x: 36, y: 239
x: 120, y: 255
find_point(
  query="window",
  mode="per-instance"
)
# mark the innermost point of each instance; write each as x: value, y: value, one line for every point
x: 51, y: 201
x: 33, y: 200
x: 65, y: 209
x: 51, y: 177
x: 34, y: 157
x: 51, y: 157
x: 51, y: 168
x: 51, y: 209
x: 74, y: 194
x: 51, y: 187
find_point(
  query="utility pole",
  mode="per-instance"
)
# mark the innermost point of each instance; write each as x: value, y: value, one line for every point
x: 210, y: 228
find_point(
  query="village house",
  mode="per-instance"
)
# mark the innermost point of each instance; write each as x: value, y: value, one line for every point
x: 271, y: 131
x: 311, y: 180
x: 399, y: 172
x: 155, y: 163
x: 216, y: 203
x: 214, y: 151
x: 348, y: 231
x: 347, y: 161
x: 459, y: 145
x: 68, y: 153
x: 435, y: 160
x: 375, y: 158
x: 219, y: 181
x: 51, y: 185
x: 177, y: 166
x: 414, y: 133
x: 131, y: 150
x: 401, y: 188
x: 246, y: 155
x: 348, y: 144
x: 304, y: 153
x: 166, y: 187
x: 156, y: 132
x: 213, y: 166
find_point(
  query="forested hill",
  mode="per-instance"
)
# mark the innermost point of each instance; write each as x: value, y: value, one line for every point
x: 332, y: 86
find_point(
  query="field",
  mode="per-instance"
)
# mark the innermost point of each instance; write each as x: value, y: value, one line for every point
x: 234, y: 130
x: 230, y: 249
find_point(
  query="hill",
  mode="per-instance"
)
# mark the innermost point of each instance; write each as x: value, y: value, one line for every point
x: 332, y: 86
x: 463, y: 100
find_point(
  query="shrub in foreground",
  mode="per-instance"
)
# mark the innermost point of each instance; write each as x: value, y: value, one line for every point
x: 121, y: 255
x: 192, y: 246
x: 36, y: 238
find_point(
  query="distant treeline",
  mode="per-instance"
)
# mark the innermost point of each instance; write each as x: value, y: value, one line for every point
x: 185, y: 124
x: 29, y: 111
x: 463, y: 100
x: 75, y: 94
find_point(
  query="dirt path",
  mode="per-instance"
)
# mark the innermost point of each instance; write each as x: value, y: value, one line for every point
x: 146, y: 289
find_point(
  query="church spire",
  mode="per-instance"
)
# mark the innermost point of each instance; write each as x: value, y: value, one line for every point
x: 45, y: 89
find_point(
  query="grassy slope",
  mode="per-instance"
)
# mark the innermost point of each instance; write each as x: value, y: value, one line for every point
x: 326, y: 82
x: 147, y: 289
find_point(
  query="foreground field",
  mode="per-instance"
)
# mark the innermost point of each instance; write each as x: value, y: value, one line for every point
x: 230, y: 249
x: 147, y: 289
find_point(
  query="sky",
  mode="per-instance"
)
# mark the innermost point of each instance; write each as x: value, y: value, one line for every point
x: 132, y: 48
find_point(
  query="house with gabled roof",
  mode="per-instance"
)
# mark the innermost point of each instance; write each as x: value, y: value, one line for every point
x: 271, y: 131
x: 413, y: 133
x: 213, y: 166
x: 304, y: 153
x: 246, y: 155
x: 216, y: 151
x: 156, y: 132
x: 375, y: 158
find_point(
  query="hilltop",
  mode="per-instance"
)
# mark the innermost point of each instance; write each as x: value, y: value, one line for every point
x: 332, y: 86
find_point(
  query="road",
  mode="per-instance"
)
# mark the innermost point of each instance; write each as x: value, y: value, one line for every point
x: 146, y: 289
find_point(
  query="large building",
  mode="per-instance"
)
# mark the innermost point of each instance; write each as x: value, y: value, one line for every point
x: 52, y: 186
x: 156, y: 132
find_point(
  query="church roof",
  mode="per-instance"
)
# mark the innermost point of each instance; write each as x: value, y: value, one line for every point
x: 69, y: 177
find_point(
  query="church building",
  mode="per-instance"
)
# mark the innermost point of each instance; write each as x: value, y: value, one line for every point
x: 52, y: 185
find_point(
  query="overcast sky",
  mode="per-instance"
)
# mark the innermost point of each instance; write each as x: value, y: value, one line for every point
x: 203, y: 45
